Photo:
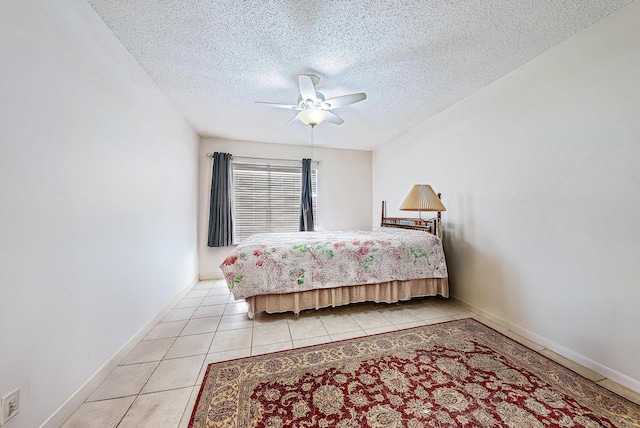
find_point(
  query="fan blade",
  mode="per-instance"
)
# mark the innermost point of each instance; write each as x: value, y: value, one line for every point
x: 287, y: 106
x: 344, y: 100
x: 333, y: 118
x: 307, y: 89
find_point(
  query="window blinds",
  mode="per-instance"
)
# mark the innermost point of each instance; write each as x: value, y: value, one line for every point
x: 267, y: 198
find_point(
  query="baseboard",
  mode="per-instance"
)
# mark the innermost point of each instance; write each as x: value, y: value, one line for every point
x: 75, y: 401
x: 607, y: 372
x: 211, y: 275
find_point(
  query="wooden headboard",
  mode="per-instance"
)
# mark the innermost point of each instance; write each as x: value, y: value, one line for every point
x: 431, y: 225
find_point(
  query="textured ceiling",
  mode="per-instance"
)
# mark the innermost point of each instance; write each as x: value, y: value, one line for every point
x: 413, y: 58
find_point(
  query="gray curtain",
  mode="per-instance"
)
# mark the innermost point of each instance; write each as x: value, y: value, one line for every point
x: 306, y: 199
x: 221, y: 207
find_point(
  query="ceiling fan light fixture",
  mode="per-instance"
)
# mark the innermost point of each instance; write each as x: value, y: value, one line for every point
x: 312, y: 116
x: 313, y: 107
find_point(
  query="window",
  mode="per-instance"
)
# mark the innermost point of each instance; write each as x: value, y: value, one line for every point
x: 267, y: 198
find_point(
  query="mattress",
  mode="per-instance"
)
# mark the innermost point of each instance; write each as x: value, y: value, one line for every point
x: 279, y: 263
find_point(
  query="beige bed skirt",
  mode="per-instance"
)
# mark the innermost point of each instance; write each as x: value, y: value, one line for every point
x: 386, y: 292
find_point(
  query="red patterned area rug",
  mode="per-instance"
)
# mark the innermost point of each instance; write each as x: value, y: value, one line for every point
x: 456, y: 374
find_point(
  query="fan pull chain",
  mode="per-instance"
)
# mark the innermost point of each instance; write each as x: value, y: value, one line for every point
x: 312, y: 137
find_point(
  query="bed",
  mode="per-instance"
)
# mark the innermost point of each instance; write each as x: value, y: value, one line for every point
x: 292, y: 272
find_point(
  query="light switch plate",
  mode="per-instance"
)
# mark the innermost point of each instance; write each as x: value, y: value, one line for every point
x: 10, y: 406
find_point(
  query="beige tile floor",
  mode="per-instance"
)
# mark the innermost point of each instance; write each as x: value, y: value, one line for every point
x: 158, y: 382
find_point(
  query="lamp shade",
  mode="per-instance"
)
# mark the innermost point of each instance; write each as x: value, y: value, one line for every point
x: 421, y: 197
x: 312, y: 116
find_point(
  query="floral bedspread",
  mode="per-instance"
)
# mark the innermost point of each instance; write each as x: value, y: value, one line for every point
x: 275, y: 263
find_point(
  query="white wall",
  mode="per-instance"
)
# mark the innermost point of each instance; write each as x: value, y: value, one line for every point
x: 344, y: 189
x: 540, y: 174
x: 98, y: 181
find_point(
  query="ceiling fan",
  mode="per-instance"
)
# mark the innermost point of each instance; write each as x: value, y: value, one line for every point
x: 312, y: 106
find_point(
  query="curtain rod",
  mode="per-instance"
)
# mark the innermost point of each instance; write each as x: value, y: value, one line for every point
x: 318, y: 162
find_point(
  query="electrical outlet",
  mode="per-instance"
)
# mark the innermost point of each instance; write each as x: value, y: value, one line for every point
x: 10, y: 404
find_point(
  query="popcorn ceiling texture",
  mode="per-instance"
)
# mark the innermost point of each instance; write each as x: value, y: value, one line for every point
x: 413, y: 58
